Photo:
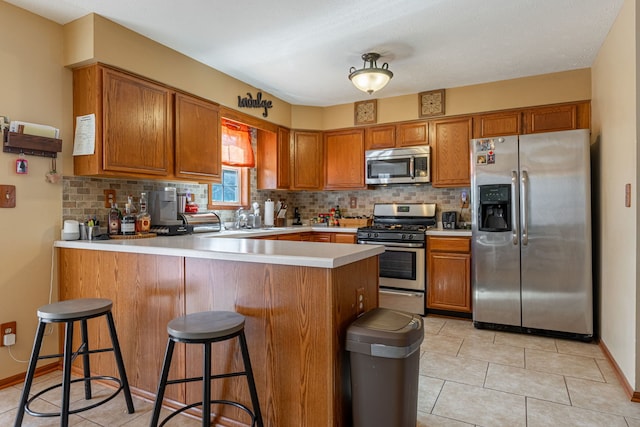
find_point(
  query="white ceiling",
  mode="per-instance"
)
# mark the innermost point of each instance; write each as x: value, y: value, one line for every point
x: 301, y: 50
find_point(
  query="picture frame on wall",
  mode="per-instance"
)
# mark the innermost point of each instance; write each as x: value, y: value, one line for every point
x: 431, y: 103
x: 365, y: 112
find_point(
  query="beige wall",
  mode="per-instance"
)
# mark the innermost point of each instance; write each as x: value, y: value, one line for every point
x: 35, y: 88
x: 615, y: 128
x: 537, y: 90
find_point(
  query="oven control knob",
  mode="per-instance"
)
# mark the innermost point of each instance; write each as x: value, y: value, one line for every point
x: 375, y: 235
x: 410, y: 236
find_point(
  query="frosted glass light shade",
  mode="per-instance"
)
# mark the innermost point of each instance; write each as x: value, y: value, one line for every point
x: 370, y: 79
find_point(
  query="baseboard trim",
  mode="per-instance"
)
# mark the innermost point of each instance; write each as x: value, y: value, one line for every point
x: 18, y: 378
x: 633, y: 395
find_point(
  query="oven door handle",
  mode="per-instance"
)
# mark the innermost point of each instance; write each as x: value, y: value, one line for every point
x: 404, y: 294
x: 393, y: 244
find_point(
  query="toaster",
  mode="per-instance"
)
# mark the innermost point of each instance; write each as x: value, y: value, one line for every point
x: 449, y: 219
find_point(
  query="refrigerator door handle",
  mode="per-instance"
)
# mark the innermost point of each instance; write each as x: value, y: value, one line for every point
x: 523, y: 202
x: 514, y: 208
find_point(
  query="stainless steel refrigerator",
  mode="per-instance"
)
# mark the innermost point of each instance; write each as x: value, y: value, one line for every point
x: 531, y: 233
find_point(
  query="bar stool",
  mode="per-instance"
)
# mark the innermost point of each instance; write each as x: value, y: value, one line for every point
x: 69, y: 312
x: 206, y: 328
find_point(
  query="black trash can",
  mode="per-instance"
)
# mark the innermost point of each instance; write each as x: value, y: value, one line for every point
x: 384, y: 348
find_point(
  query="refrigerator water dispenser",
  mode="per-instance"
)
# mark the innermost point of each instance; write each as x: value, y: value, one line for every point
x: 494, y: 211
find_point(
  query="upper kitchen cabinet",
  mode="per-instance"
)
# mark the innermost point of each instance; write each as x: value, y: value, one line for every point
x: 449, y: 140
x: 133, y: 123
x: 558, y: 117
x: 410, y: 134
x: 548, y: 118
x: 344, y: 160
x: 398, y: 135
x: 378, y: 137
x: 273, y: 159
x: 197, y: 139
x: 497, y: 124
x: 306, y: 160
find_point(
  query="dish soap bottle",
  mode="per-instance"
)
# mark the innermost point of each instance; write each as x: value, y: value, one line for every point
x: 143, y: 221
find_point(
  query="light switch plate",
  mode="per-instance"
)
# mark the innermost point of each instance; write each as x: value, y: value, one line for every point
x: 7, y: 196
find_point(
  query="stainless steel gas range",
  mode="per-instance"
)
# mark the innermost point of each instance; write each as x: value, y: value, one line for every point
x: 403, y: 271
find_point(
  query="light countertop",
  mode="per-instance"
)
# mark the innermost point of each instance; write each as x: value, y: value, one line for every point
x: 456, y: 232
x: 226, y: 245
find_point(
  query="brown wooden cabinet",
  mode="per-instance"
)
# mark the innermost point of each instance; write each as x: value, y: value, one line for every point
x: 413, y: 133
x: 396, y: 135
x: 306, y: 160
x: 449, y: 273
x: 377, y: 137
x: 557, y: 117
x: 345, y: 238
x: 197, y: 139
x: 133, y: 123
x: 548, y: 118
x: 449, y: 140
x: 321, y: 237
x: 497, y: 124
x: 344, y: 160
x: 273, y: 169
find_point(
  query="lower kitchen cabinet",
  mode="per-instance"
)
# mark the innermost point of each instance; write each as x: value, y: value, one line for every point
x: 449, y: 273
x: 344, y: 238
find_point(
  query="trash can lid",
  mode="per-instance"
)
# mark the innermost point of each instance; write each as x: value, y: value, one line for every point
x: 387, y: 327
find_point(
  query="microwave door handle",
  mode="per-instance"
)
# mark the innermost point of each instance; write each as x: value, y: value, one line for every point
x: 412, y: 167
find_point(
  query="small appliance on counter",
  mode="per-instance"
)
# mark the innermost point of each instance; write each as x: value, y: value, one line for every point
x: 203, y: 222
x: 296, y: 217
x: 163, y: 207
x: 449, y: 220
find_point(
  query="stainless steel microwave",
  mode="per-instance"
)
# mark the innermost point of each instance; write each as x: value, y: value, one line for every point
x: 409, y: 165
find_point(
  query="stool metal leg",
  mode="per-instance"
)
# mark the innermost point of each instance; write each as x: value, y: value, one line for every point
x: 168, y: 355
x: 85, y: 359
x: 66, y: 374
x: 30, y: 373
x: 120, y: 363
x: 206, y: 386
x: 252, y: 385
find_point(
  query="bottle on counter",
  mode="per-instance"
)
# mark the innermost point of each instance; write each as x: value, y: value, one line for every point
x: 128, y: 225
x: 132, y: 206
x: 114, y: 219
x: 143, y: 220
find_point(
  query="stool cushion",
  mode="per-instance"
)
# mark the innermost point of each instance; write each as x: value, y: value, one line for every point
x: 205, y: 325
x: 74, y: 308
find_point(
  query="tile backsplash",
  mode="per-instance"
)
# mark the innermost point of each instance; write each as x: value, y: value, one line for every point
x: 83, y: 197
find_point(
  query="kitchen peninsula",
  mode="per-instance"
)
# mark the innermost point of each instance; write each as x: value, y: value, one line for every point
x: 298, y: 299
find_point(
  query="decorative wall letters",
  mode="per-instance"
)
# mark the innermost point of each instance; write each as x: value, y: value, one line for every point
x: 258, y: 102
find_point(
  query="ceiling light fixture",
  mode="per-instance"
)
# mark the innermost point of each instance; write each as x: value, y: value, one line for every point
x: 370, y: 79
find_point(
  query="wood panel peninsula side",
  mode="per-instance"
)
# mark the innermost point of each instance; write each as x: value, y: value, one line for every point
x: 298, y: 299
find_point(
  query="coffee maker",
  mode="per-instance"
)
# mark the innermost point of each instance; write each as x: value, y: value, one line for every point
x: 163, y: 208
x: 494, y: 211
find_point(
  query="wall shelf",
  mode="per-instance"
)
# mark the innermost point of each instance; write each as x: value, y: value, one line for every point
x: 31, y: 145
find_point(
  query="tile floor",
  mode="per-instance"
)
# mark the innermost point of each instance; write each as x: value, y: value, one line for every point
x: 468, y: 377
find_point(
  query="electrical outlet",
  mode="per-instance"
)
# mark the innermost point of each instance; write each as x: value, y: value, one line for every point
x: 353, y: 203
x: 360, y: 301
x: 7, y: 329
x: 109, y: 196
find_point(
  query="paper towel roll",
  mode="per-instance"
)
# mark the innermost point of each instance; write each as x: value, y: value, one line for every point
x: 268, y: 213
